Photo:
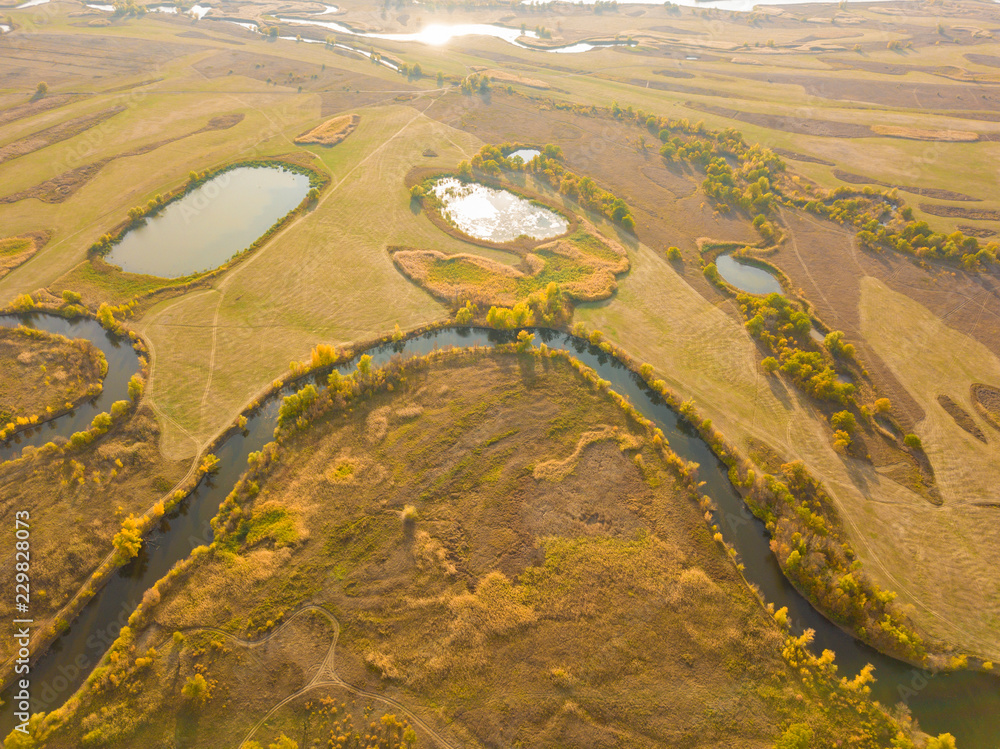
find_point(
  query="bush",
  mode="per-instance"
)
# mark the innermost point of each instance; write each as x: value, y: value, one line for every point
x: 673, y: 253
x: 128, y: 540
x: 71, y: 297
x: 23, y: 303
x: 913, y: 442
x: 195, y: 690
x: 798, y: 736
x: 135, y: 387
x: 844, y: 420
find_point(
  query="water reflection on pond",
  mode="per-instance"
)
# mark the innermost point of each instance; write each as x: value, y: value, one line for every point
x: 525, y: 154
x: 211, y: 223
x: 495, y: 215
x: 747, y: 277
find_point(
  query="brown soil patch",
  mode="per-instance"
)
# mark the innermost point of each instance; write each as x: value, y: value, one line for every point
x: 785, y: 153
x: 991, y: 61
x: 503, y: 76
x: 955, y: 211
x: 331, y: 132
x: 962, y: 417
x: 976, y: 231
x: 15, y: 251
x: 38, y: 106
x: 926, y: 192
x: 892, y: 94
x: 62, y: 186
x: 199, y: 35
x: 667, y: 73
x: 55, y: 134
x: 987, y: 401
x: 76, y: 58
x: 800, y: 125
x: 332, y: 83
x: 912, y: 133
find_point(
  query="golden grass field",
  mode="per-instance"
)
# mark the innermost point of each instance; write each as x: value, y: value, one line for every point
x: 493, y: 551
x: 829, y: 94
x: 42, y: 374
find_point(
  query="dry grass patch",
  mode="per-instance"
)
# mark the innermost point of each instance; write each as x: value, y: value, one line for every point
x: 15, y: 251
x: 503, y: 76
x: 962, y: 417
x: 56, y: 133
x: 331, y: 132
x: 913, y: 133
x: 987, y: 401
x: 585, y: 265
x: 42, y: 374
x: 492, y: 607
x: 78, y: 501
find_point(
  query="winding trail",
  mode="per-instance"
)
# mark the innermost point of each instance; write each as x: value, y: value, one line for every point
x: 221, y: 288
x: 325, y: 676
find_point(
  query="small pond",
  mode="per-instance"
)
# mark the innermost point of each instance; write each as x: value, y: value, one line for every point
x: 526, y: 154
x: 747, y: 277
x: 212, y: 223
x: 495, y: 215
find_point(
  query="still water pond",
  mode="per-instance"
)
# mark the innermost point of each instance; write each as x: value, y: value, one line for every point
x: 526, y: 154
x: 747, y: 277
x: 212, y: 223
x: 495, y: 215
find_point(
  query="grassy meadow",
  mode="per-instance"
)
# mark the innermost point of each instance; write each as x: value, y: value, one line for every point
x: 874, y: 91
x: 489, y: 549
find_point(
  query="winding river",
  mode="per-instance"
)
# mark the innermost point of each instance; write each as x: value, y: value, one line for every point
x: 966, y: 704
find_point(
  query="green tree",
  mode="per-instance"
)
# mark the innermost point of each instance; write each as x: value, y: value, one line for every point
x: 195, y: 690
x: 844, y: 420
x: 128, y: 540
x: 913, y: 442
x: 135, y: 388
x: 943, y: 741
x: 41, y: 89
x: 770, y: 365
x: 23, y: 303
x: 798, y: 736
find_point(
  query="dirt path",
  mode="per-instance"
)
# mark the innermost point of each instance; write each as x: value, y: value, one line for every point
x: 221, y: 288
x: 325, y: 676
